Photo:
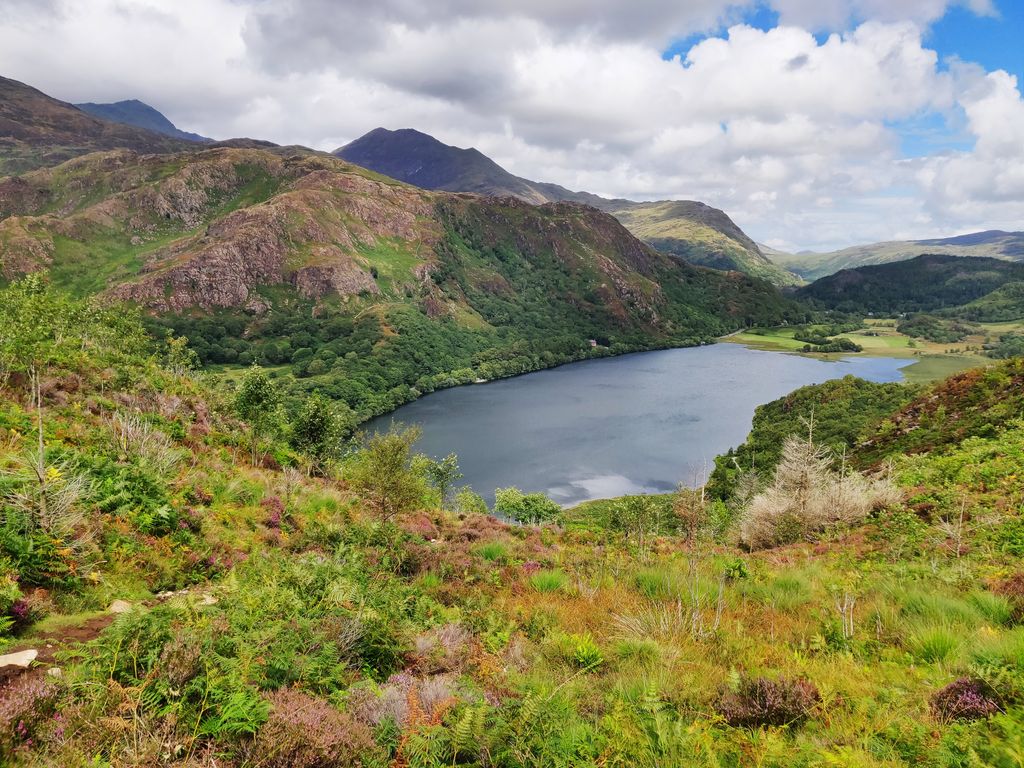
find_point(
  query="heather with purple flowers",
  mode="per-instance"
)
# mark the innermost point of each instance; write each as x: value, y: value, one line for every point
x: 275, y: 511
x: 24, y: 704
x: 760, y: 701
x: 966, y: 698
x: 306, y: 732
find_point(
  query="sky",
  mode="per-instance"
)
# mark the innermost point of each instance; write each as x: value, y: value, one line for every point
x: 816, y: 124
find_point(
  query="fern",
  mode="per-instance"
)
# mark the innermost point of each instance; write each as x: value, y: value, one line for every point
x: 241, y: 712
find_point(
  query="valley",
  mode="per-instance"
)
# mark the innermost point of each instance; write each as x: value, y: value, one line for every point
x: 676, y: 504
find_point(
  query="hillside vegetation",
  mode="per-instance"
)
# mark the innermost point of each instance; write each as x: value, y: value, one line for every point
x: 922, y: 284
x: 991, y: 244
x: 369, y: 290
x: 338, y: 604
x: 691, y: 230
x: 37, y: 131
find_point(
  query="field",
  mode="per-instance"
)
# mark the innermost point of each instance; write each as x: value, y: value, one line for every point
x: 879, y: 338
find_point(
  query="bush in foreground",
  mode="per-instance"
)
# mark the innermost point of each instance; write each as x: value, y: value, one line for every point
x: 966, y: 698
x: 306, y: 732
x: 760, y: 701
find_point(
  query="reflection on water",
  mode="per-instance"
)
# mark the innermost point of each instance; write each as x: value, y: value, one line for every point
x: 638, y: 423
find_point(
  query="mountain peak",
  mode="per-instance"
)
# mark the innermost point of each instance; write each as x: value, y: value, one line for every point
x: 39, y: 130
x: 141, y: 115
x: 690, y: 230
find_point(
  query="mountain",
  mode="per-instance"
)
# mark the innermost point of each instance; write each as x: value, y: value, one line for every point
x: 991, y: 243
x: 924, y: 283
x: 141, y: 115
x: 370, y: 289
x: 37, y: 130
x: 690, y: 230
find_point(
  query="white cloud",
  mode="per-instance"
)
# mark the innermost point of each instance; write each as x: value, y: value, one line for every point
x: 792, y: 137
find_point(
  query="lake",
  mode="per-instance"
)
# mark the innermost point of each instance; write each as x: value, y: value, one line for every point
x: 639, y: 423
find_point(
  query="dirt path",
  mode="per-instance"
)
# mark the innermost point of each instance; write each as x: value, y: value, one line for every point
x: 48, y: 644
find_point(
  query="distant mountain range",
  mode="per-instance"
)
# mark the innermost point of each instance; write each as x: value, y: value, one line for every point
x: 991, y: 243
x: 691, y: 230
x: 37, y: 130
x: 975, y: 288
x: 141, y: 115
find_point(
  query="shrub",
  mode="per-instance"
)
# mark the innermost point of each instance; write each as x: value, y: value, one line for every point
x: 807, y: 497
x: 304, y: 732
x: 382, y: 473
x: 760, y: 701
x: 549, y: 580
x: 526, y: 508
x: 966, y: 698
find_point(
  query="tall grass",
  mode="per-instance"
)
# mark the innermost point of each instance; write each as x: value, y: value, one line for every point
x: 996, y: 609
x: 935, y: 643
x: 550, y: 580
x: 493, y: 552
x: 1002, y: 650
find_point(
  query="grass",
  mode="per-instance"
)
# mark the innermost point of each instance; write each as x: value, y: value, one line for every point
x: 493, y: 552
x: 934, y: 644
x: 394, y: 261
x: 879, y: 338
x: 549, y: 581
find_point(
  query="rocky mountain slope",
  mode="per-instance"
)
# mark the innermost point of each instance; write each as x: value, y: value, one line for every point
x: 37, y: 130
x: 141, y: 115
x: 424, y: 283
x: 991, y: 243
x: 691, y: 230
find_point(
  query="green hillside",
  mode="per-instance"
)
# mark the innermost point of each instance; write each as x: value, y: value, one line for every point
x: 209, y: 577
x: 690, y: 230
x: 38, y: 131
x: 991, y: 244
x: 923, y: 284
x: 369, y: 290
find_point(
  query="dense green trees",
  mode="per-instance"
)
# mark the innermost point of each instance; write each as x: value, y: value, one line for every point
x: 835, y: 414
x: 924, y: 284
x: 937, y: 329
x: 527, y: 508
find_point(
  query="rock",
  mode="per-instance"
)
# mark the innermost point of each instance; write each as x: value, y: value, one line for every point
x: 119, y: 606
x: 208, y: 600
x: 19, y: 659
x: 55, y: 672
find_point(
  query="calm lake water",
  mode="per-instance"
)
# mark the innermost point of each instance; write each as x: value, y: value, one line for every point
x: 639, y: 423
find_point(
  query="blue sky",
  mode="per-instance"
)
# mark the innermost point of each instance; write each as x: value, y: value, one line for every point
x: 994, y: 41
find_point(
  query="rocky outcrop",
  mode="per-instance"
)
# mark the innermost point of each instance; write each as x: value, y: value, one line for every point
x: 343, y: 279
